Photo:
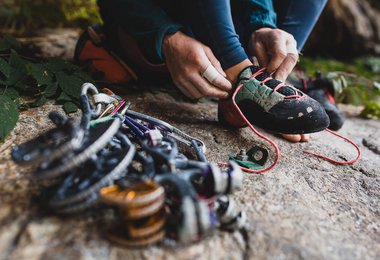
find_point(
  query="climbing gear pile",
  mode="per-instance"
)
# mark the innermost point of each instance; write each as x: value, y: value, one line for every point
x: 154, y: 177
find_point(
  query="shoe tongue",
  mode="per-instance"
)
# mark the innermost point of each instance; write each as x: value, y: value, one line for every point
x: 248, y: 72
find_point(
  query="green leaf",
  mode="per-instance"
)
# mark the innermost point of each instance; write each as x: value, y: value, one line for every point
x: 51, y: 90
x: 41, y: 74
x: 70, y: 107
x: 59, y: 65
x: 83, y: 76
x: 64, y: 97
x: 371, y: 110
x: 56, y: 65
x: 8, y: 42
x: 373, y: 63
x: 11, y: 93
x: 8, y: 116
x: 4, y: 68
x: 69, y: 84
x: 18, y: 69
x: 354, y: 95
x: 40, y: 101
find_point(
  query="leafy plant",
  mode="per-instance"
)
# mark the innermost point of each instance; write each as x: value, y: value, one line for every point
x: 356, y: 82
x: 371, y: 110
x: 26, y: 15
x: 39, y: 81
x: 8, y: 115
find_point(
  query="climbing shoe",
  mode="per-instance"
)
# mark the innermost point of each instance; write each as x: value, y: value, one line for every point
x: 321, y: 89
x: 271, y: 105
x: 99, y: 51
x: 95, y: 53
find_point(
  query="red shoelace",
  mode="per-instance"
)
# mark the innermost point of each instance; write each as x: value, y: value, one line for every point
x: 280, y: 85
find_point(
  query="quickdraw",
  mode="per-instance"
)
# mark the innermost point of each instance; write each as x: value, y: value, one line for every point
x: 154, y: 177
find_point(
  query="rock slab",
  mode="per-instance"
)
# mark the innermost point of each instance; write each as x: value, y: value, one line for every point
x: 305, y: 208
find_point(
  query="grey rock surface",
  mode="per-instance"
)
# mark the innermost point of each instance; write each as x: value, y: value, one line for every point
x: 48, y: 43
x: 305, y: 208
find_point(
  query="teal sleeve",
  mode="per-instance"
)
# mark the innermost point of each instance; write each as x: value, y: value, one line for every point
x: 259, y: 14
x: 144, y: 20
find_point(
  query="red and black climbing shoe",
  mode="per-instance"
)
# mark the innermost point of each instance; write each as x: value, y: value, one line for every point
x: 271, y: 105
x: 322, y: 90
x: 93, y: 52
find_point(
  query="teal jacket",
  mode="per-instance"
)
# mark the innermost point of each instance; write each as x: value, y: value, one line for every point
x: 148, y: 22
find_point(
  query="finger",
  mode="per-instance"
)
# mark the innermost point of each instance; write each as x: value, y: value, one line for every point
x: 255, y: 61
x: 222, y: 83
x: 292, y: 138
x: 286, y: 67
x: 216, y: 79
x: 214, y: 61
x: 206, y: 88
x: 291, y: 45
x: 261, y: 54
x: 187, y: 93
x: 279, y: 53
x: 188, y: 89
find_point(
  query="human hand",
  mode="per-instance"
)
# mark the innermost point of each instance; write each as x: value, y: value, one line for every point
x: 187, y: 59
x: 276, y: 50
